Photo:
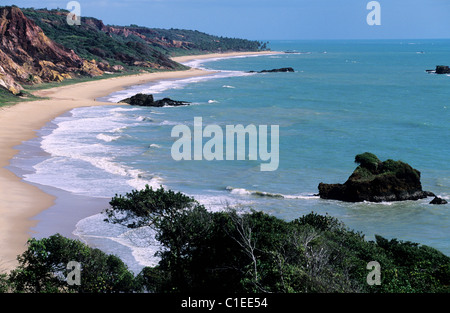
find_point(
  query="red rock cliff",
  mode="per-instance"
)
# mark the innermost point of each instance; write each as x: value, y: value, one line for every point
x: 27, y: 55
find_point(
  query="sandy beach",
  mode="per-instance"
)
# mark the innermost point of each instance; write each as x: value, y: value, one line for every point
x: 20, y: 201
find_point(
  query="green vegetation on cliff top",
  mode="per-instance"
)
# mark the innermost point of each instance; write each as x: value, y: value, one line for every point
x: 131, y: 49
x: 125, y: 45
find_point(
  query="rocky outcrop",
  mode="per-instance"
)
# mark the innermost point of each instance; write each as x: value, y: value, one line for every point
x: 438, y: 200
x: 8, y: 82
x: 28, y: 56
x: 440, y: 69
x: 90, y: 68
x: 118, y: 68
x: 279, y: 70
x: 276, y: 70
x: 169, y: 102
x: 141, y: 99
x: 377, y: 181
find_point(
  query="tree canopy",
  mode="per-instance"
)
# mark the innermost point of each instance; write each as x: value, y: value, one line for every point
x: 231, y: 251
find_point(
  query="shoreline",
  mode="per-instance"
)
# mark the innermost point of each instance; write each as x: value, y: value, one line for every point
x: 20, y: 201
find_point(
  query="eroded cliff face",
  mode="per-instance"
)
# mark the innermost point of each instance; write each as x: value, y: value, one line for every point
x: 28, y: 56
x: 148, y: 35
x: 8, y: 82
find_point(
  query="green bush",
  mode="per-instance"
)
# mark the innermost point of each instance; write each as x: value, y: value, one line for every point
x: 255, y: 252
x: 4, y: 283
x: 43, y: 268
x: 147, y: 206
x: 368, y: 160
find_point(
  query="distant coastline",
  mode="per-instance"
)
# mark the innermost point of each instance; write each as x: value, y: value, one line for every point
x: 20, y: 201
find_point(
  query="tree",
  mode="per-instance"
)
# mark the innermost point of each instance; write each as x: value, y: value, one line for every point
x: 179, y: 220
x: 147, y: 207
x: 43, y: 268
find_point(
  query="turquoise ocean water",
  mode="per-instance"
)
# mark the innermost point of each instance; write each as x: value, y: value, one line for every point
x: 344, y: 98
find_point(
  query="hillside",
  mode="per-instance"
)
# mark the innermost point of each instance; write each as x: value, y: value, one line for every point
x: 39, y: 46
x: 28, y: 56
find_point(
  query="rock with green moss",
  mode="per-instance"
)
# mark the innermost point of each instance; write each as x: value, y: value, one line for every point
x: 377, y: 181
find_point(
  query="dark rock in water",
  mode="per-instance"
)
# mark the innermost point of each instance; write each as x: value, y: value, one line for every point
x: 377, y: 181
x: 438, y: 200
x: 279, y: 70
x: 441, y: 69
x: 141, y: 99
x: 168, y: 101
x: 276, y: 70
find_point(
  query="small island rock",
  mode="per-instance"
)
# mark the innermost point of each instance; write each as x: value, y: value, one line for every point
x: 276, y: 70
x: 440, y: 69
x: 141, y: 99
x: 377, y: 181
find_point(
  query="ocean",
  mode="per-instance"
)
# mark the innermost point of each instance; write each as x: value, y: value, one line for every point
x: 344, y: 98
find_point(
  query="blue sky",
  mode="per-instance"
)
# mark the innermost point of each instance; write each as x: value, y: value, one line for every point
x: 273, y: 19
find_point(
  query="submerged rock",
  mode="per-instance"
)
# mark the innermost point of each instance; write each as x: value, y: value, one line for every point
x: 377, y: 181
x: 141, y: 99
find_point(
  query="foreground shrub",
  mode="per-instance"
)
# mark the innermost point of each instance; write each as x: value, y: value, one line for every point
x: 231, y: 251
x: 254, y: 252
x: 43, y: 268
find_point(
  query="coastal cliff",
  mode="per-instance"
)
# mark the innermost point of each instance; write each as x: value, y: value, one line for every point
x: 28, y: 56
x: 38, y: 46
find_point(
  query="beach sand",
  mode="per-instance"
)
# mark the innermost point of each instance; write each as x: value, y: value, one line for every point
x: 21, y: 202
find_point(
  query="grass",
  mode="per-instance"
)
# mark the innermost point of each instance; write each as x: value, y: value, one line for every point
x: 7, y: 98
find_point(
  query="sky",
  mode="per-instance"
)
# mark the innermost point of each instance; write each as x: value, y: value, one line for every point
x: 272, y: 19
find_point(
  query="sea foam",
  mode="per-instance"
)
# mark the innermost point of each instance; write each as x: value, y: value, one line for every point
x: 84, y: 158
x: 243, y: 191
x: 137, y: 247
